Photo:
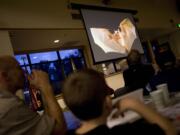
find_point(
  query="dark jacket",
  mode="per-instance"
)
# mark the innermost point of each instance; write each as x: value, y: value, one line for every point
x: 138, y: 76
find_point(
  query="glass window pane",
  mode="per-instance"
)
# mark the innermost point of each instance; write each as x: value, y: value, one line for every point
x: 56, y: 76
x: 22, y: 59
x: 43, y: 57
x: 79, y: 63
x: 67, y: 66
x: 27, y: 69
x: 55, y: 73
x: 41, y: 66
x: 71, y: 53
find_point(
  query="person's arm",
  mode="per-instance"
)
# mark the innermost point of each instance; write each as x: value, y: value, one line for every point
x: 41, y: 81
x: 148, y: 114
x: 156, y: 68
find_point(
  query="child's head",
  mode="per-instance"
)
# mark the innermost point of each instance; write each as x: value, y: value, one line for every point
x: 85, y: 93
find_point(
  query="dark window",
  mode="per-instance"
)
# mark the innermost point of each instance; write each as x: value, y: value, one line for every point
x: 43, y: 57
x: 22, y: 59
x: 72, y: 60
x: 58, y: 65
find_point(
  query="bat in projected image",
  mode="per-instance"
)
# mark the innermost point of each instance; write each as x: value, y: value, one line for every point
x: 120, y: 41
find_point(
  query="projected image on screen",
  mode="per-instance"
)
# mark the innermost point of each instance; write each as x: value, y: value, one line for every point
x: 111, y: 34
x: 120, y: 41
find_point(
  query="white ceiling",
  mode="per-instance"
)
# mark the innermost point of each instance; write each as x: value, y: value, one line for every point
x: 44, y: 39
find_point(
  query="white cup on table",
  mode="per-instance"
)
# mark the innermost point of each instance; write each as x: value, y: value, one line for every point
x: 164, y: 88
x: 158, y: 99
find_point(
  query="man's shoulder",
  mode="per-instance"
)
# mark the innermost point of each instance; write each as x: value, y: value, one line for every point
x: 7, y: 101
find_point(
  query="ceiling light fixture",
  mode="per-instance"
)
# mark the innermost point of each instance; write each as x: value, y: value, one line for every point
x: 56, y: 41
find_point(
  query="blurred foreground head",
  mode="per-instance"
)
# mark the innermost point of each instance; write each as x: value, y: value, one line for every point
x: 85, y: 92
x: 11, y: 74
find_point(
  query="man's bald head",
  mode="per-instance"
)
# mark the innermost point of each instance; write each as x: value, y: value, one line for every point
x: 11, y: 73
x: 7, y: 63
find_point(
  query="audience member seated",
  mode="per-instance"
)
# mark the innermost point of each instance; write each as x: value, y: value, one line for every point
x: 18, y: 119
x: 165, y: 58
x: 138, y: 74
x: 86, y: 94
